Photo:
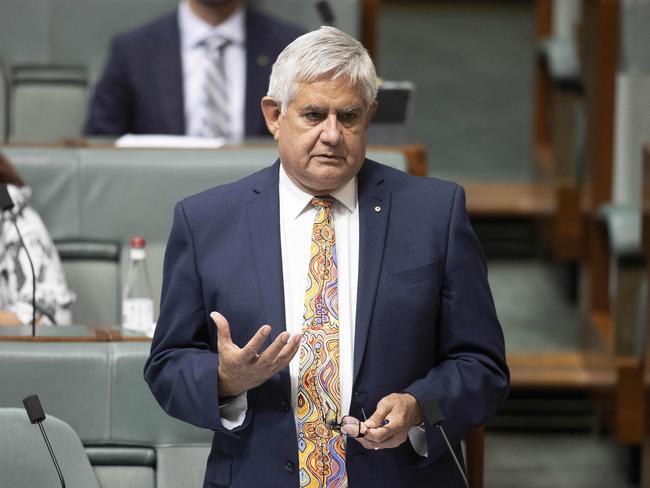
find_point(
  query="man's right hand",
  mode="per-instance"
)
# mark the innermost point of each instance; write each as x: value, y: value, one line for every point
x: 241, y: 369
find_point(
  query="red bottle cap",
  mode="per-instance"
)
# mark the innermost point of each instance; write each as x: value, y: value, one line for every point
x: 138, y: 242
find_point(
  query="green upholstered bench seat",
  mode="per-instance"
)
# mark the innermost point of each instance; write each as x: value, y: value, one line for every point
x: 98, y: 389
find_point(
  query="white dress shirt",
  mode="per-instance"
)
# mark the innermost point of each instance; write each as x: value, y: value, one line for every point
x: 296, y: 222
x: 195, y: 59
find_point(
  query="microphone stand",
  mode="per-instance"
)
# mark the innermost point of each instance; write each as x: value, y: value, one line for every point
x: 36, y: 415
x: 434, y: 416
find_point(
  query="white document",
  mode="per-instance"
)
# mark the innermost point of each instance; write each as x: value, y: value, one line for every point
x: 156, y: 141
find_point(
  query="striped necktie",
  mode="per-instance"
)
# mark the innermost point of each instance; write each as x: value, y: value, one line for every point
x: 216, y: 116
x: 321, y: 450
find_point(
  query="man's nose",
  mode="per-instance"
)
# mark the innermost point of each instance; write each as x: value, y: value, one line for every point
x: 331, y: 133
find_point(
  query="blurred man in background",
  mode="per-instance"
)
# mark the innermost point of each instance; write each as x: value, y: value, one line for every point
x: 200, y: 70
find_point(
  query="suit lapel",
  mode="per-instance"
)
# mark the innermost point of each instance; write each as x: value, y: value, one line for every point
x: 374, y: 209
x: 263, y: 210
x: 264, y: 225
x: 167, y: 68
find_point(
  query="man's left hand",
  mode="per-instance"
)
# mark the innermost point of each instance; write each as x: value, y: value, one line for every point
x: 388, y: 427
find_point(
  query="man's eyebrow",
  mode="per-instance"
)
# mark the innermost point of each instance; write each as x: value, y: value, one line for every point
x: 312, y: 108
x: 350, y: 109
x: 319, y: 108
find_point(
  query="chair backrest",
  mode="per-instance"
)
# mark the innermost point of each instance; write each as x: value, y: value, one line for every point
x: 24, y: 458
x: 49, y: 33
x: 58, y: 92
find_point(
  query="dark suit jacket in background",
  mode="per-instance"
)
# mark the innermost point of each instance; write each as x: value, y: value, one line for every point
x: 425, y: 324
x: 141, y: 90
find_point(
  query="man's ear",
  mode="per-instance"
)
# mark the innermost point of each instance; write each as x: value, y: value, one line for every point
x: 371, y: 112
x: 271, y: 112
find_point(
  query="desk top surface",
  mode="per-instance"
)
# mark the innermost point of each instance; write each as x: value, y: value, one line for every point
x: 70, y: 333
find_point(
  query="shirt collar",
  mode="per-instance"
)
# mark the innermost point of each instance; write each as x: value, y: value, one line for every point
x: 297, y: 200
x: 194, y: 30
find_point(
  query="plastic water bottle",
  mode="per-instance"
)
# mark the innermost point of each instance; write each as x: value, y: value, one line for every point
x: 137, y: 298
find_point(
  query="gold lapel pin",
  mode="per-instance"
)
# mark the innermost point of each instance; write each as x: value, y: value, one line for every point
x: 262, y: 60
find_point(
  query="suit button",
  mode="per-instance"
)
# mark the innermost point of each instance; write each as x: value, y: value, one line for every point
x: 285, y: 405
x: 289, y: 466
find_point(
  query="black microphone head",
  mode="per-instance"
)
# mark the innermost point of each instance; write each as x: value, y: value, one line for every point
x: 6, y: 203
x: 325, y: 12
x: 432, y: 413
x: 34, y: 409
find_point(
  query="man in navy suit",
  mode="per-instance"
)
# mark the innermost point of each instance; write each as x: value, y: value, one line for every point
x: 154, y: 76
x: 397, y: 278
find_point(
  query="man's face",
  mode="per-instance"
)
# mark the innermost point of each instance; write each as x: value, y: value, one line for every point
x: 322, y: 135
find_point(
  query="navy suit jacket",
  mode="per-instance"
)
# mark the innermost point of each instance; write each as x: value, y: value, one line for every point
x: 425, y: 324
x: 141, y: 90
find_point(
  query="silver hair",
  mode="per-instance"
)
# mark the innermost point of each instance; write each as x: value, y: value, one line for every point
x: 326, y: 53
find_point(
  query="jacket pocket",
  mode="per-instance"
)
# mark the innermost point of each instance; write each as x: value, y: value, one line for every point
x: 412, y: 276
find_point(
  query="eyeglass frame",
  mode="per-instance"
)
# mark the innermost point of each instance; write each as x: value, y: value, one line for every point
x: 337, y: 426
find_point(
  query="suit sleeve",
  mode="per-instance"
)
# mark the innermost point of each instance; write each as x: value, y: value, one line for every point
x: 182, y: 367
x: 470, y: 380
x: 111, y: 106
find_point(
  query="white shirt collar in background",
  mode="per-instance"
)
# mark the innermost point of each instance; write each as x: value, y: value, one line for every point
x: 194, y: 61
x: 194, y: 30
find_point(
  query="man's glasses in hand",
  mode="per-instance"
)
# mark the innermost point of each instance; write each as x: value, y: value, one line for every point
x: 348, y: 426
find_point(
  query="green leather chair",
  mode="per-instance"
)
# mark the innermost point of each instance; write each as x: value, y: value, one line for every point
x: 25, y: 460
x: 59, y: 92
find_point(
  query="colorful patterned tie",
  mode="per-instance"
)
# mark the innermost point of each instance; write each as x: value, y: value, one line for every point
x: 321, y: 450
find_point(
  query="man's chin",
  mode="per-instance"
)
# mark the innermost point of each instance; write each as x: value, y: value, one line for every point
x: 327, y: 182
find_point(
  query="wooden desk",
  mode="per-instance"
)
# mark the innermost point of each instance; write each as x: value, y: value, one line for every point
x: 534, y: 200
x: 70, y: 333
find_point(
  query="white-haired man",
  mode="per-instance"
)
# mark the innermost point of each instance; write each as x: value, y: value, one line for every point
x: 371, y: 285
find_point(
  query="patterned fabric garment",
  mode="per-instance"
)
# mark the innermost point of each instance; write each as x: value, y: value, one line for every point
x: 216, y: 122
x: 53, y: 298
x: 321, y: 450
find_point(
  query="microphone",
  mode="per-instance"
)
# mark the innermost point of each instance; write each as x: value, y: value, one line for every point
x: 325, y: 12
x: 36, y: 416
x: 434, y: 416
x: 6, y: 203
